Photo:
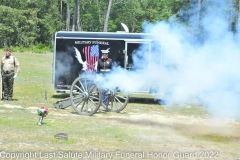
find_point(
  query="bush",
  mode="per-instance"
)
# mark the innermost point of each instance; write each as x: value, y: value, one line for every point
x: 18, y: 49
x: 39, y: 48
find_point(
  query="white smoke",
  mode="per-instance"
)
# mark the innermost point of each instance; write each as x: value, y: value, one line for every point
x: 208, y: 73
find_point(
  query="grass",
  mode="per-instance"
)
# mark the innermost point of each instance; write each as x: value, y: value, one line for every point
x: 218, y: 138
x: 34, y: 83
x: 144, y: 125
x: 197, y: 111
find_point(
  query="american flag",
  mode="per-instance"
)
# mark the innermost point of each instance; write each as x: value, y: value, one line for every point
x: 92, y: 56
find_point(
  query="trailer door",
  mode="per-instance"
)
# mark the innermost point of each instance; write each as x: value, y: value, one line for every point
x: 131, y: 47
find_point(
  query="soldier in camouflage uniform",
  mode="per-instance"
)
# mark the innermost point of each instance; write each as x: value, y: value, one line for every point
x: 8, y: 65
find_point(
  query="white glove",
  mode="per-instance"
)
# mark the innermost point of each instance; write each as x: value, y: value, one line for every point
x: 15, y: 76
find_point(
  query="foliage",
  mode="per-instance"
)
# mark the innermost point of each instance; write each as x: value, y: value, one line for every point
x: 18, y: 27
x: 39, y: 48
x: 28, y: 23
x: 33, y: 22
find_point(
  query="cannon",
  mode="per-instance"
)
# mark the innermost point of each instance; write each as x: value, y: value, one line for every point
x: 87, y: 96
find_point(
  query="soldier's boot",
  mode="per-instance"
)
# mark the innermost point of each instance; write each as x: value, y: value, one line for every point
x: 5, y: 96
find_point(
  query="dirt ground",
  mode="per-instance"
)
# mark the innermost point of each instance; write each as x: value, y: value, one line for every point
x: 186, y: 137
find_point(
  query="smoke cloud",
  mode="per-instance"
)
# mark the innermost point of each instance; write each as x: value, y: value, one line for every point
x: 185, y: 70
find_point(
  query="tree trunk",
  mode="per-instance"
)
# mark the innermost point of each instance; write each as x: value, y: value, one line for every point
x: 99, y: 16
x: 68, y: 16
x: 105, y: 27
x: 133, y: 25
x: 78, y: 16
x: 61, y: 12
x: 74, y: 16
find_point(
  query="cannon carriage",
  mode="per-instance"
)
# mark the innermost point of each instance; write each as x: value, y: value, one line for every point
x: 76, y: 53
x: 87, y: 96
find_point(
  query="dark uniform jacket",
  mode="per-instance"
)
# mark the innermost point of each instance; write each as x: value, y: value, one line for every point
x: 104, y: 65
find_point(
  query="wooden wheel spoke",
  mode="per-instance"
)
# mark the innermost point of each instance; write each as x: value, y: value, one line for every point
x: 91, y: 88
x: 87, y: 98
x: 93, y: 97
x: 83, y: 86
x: 117, y: 102
x: 117, y: 98
x: 78, y: 88
x: 82, y: 103
x: 93, y: 102
x: 77, y: 97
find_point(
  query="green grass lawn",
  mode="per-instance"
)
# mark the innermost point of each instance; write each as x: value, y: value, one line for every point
x: 34, y: 83
x: 140, y: 127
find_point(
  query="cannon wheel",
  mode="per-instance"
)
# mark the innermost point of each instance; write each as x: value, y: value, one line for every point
x: 85, y: 96
x: 116, y: 100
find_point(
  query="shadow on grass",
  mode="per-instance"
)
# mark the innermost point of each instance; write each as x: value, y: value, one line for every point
x: 9, y: 100
x: 142, y: 100
x: 61, y: 96
x: 145, y: 100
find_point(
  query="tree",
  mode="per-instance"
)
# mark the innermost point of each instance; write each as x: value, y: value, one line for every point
x: 61, y: 13
x: 74, y: 15
x: 107, y: 16
x: 26, y: 23
x: 68, y: 16
x: 17, y: 27
x: 78, y: 15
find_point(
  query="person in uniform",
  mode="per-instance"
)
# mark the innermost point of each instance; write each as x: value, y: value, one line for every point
x: 8, y: 65
x: 104, y: 65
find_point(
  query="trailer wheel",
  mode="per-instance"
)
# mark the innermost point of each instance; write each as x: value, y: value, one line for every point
x: 85, y: 96
x: 115, y: 100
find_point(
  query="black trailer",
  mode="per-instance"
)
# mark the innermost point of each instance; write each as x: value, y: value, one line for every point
x: 75, y: 52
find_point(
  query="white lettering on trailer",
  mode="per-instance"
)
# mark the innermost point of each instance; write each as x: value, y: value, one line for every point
x: 92, y: 42
x: 100, y: 42
x: 82, y: 42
